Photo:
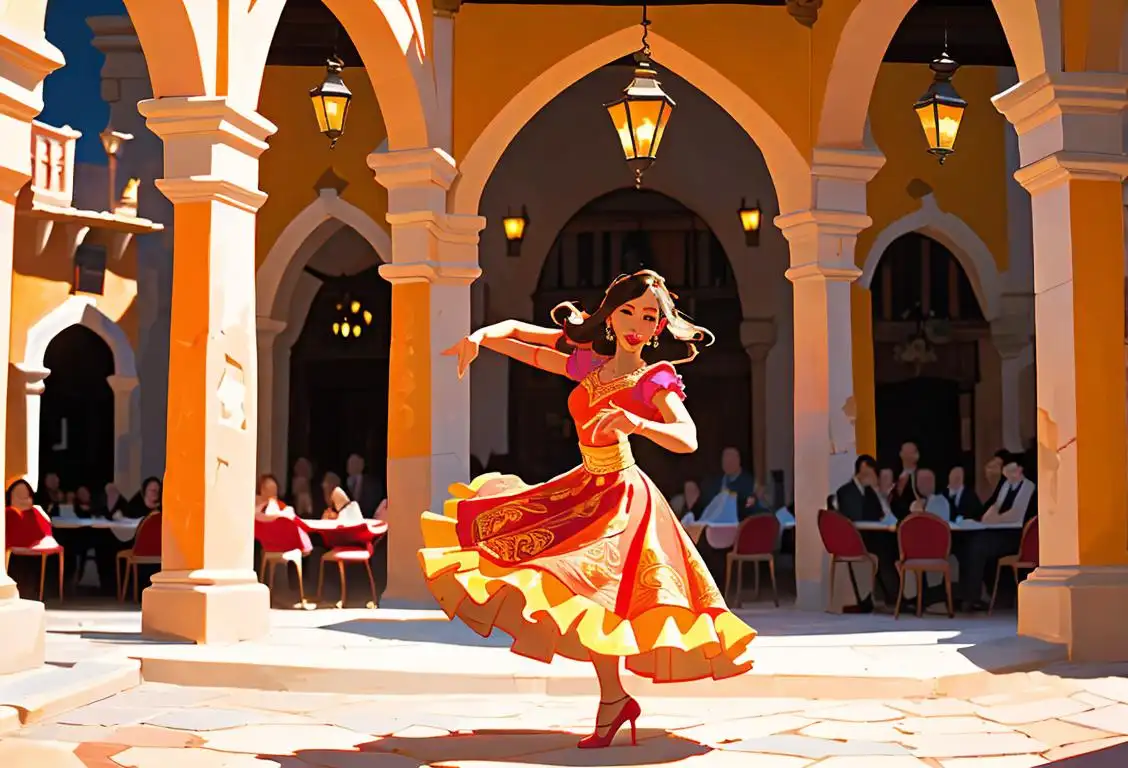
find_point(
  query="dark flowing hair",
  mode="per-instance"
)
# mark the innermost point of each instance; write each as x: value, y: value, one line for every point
x: 12, y: 487
x: 585, y: 331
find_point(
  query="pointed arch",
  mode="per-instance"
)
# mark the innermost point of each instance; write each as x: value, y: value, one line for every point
x: 955, y: 235
x: 1031, y: 33
x: 789, y: 170
x: 79, y: 310
x: 283, y: 262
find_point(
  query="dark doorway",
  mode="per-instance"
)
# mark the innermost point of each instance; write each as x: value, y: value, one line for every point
x: 338, y: 383
x: 925, y: 411
x: 76, y: 419
x: 618, y: 233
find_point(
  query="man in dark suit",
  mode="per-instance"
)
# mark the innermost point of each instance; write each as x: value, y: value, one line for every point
x: 857, y: 499
x: 735, y: 480
x: 364, y: 489
x: 961, y: 499
x: 905, y: 492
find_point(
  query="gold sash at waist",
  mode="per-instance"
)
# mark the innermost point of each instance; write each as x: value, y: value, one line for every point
x: 605, y: 459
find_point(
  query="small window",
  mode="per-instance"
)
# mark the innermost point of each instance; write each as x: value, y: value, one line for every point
x: 90, y: 269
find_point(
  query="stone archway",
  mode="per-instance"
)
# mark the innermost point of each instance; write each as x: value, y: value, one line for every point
x: 789, y: 170
x: 284, y: 300
x: 866, y: 36
x: 955, y: 235
x: 82, y: 310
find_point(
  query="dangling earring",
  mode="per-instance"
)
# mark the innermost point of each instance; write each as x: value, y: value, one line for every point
x: 610, y: 334
x: 654, y: 340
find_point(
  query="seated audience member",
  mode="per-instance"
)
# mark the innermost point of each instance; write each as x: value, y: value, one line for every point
x: 111, y: 504
x: 301, y: 499
x: 267, y: 504
x: 905, y: 491
x: 84, y: 503
x: 362, y: 487
x: 755, y: 504
x: 984, y: 547
x: 886, y: 483
x: 330, y: 483
x: 50, y: 495
x: 928, y: 500
x: 689, y: 501
x: 147, y: 500
x: 727, y: 495
x: 303, y: 467
x: 857, y: 499
x: 993, y: 477
x: 963, y: 501
x: 342, y: 508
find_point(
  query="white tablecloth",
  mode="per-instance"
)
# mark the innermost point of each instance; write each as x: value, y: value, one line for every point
x: 719, y: 535
x: 961, y: 525
x: 124, y: 530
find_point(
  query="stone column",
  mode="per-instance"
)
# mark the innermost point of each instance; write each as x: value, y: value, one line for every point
x: 24, y: 61
x: 434, y: 261
x: 758, y: 337
x: 1069, y: 128
x: 269, y: 458
x: 1011, y: 344
x: 33, y: 381
x: 127, y: 443
x: 822, y: 244
x: 207, y: 590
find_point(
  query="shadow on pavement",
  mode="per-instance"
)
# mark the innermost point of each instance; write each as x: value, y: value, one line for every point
x: 1111, y: 757
x: 547, y: 748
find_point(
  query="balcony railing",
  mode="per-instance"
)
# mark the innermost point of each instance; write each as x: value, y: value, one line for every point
x: 52, y: 163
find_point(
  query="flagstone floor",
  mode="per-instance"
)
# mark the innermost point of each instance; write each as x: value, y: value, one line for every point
x: 163, y: 726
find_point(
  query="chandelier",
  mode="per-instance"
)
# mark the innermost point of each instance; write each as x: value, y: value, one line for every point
x: 353, y: 318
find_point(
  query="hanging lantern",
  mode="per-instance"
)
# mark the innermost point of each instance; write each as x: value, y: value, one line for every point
x: 641, y: 115
x: 331, y: 101
x: 941, y: 109
x: 515, y: 231
x: 750, y: 222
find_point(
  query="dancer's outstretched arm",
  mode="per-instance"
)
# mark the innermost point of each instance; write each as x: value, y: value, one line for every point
x: 524, y: 342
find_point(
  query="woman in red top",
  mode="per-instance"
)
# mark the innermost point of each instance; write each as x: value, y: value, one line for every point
x: 592, y: 565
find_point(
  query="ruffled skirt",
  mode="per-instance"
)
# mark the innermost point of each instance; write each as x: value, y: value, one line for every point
x: 583, y: 564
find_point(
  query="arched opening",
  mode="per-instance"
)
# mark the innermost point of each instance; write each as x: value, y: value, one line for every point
x: 338, y: 399
x: 622, y: 232
x: 927, y: 326
x: 76, y: 418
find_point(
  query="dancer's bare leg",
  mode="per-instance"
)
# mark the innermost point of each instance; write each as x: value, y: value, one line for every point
x: 611, y: 692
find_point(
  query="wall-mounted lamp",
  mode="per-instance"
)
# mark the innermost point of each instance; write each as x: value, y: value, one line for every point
x: 113, y: 142
x: 515, y: 231
x: 750, y: 222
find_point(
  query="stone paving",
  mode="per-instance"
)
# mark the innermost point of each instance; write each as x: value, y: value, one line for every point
x: 163, y: 726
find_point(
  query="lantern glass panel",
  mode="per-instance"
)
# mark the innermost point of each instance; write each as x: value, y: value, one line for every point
x: 645, y: 116
x: 514, y: 227
x: 750, y: 219
x: 948, y: 118
x: 621, y: 120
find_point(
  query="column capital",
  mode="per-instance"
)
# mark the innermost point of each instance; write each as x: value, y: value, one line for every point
x: 822, y: 244
x: 211, y: 149
x: 848, y: 164
x: 416, y: 179
x: 33, y: 377
x: 1061, y: 167
x: 122, y: 385
x: 268, y: 328
x: 758, y: 335
x: 430, y: 272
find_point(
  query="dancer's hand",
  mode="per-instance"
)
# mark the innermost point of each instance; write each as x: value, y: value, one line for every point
x: 617, y: 422
x: 466, y: 350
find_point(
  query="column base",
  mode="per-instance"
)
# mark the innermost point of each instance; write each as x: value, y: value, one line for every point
x: 206, y: 606
x: 1075, y: 606
x: 415, y: 485
x: 21, y: 641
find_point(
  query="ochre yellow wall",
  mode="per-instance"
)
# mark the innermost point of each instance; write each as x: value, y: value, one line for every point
x: 761, y: 49
x: 972, y: 184
x: 299, y: 155
x: 40, y: 283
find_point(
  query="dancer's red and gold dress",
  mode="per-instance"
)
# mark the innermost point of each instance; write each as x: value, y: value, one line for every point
x: 592, y: 561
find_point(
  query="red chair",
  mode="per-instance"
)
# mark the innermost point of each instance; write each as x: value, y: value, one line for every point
x: 28, y: 534
x: 349, y: 544
x: 1026, y: 559
x: 844, y: 544
x: 283, y: 541
x: 925, y: 543
x: 755, y: 543
x: 146, y: 550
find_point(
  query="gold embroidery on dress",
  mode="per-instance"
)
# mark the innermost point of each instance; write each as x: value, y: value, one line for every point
x: 660, y: 580
x: 702, y: 581
x: 520, y: 546
x: 574, y: 490
x: 598, y: 390
x: 531, y: 542
x: 491, y: 521
x: 600, y: 563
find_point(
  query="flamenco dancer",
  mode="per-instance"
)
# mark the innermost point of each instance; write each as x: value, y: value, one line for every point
x: 592, y: 565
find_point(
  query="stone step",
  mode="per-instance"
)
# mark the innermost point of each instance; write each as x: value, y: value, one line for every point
x: 51, y: 689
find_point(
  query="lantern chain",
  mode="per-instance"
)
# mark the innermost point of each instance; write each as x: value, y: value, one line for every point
x: 645, y: 33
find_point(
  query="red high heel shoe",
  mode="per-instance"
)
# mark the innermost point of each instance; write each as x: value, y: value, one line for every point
x: 628, y: 714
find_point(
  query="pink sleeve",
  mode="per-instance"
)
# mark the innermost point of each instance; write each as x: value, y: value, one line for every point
x: 661, y: 378
x: 582, y: 362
